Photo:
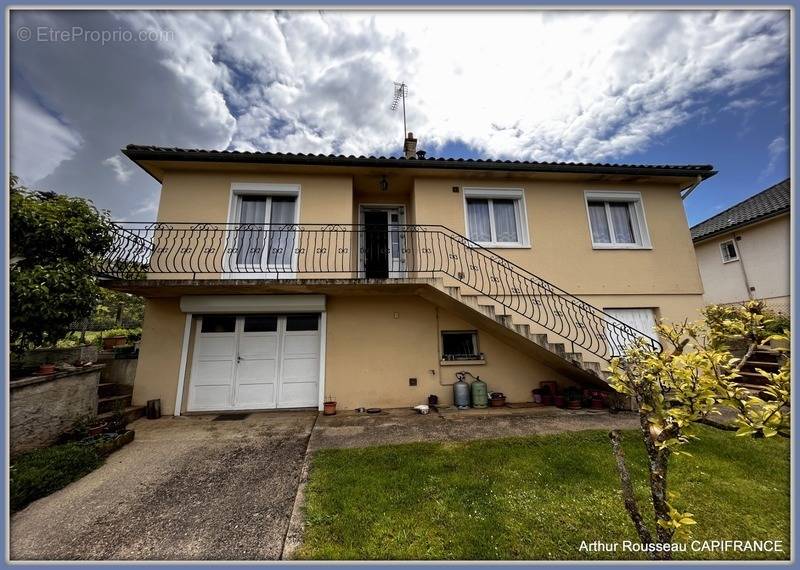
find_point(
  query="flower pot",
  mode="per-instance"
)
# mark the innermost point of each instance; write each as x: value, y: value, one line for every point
x: 329, y: 409
x: 597, y: 404
x: 46, y: 369
x: 497, y: 402
x: 574, y: 405
x: 110, y: 342
x: 547, y: 400
x: 560, y: 401
x: 97, y: 430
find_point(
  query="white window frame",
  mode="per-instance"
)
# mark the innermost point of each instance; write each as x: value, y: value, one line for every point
x: 265, y: 189
x: 722, y: 250
x: 520, y: 209
x: 478, y: 355
x: 636, y: 208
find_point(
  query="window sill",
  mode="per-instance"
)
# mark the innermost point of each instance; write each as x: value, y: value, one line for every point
x: 622, y: 247
x: 462, y: 362
x: 730, y: 261
x: 502, y: 245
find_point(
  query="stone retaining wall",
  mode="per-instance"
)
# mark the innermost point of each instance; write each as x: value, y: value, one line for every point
x: 44, y: 407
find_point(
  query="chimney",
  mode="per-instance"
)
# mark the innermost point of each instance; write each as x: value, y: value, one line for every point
x: 410, y: 146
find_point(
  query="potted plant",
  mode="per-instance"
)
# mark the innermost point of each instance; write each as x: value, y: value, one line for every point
x: 497, y: 400
x: 109, y: 342
x: 560, y: 401
x: 46, y: 368
x: 329, y: 406
x: 537, y: 395
x: 573, y: 397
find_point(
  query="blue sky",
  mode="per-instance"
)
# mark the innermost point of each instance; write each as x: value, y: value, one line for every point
x: 627, y: 87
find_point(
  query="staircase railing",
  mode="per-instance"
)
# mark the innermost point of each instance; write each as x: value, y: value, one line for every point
x: 308, y: 251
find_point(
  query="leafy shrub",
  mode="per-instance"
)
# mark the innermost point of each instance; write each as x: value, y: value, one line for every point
x: 44, y: 471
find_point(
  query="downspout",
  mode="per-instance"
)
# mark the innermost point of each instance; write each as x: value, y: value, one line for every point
x: 689, y: 189
x: 737, y: 240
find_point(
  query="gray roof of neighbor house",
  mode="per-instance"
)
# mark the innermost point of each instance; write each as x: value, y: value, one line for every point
x: 772, y: 202
x: 156, y: 153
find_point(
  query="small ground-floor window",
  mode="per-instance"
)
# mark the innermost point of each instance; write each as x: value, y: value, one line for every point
x: 460, y: 345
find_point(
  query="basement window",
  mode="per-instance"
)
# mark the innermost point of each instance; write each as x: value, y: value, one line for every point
x: 460, y: 345
x: 728, y: 251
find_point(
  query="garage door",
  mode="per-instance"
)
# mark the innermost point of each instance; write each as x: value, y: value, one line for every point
x: 643, y: 320
x: 253, y: 362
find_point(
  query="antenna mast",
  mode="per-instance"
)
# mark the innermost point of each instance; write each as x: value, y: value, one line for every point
x: 400, y: 92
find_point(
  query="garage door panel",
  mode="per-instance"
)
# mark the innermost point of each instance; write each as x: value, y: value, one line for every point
x: 216, y: 346
x: 302, y: 369
x: 213, y: 372
x: 298, y: 394
x: 210, y: 397
x: 258, y: 345
x: 255, y: 395
x: 300, y: 345
x: 251, y: 371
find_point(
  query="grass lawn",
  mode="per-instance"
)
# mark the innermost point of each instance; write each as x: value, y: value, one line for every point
x: 534, y: 497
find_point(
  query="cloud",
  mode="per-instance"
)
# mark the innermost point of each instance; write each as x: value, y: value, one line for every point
x: 39, y: 141
x: 123, y: 170
x: 591, y: 86
x: 776, y: 151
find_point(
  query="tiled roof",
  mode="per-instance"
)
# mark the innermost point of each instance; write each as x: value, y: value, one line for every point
x: 139, y: 152
x: 771, y: 202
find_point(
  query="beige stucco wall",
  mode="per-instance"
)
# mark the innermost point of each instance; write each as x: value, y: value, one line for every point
x: 764, y: 256
x: 159, y: 353
x: 561, y: 247
x: 375, y: 344
x: 370, y: 354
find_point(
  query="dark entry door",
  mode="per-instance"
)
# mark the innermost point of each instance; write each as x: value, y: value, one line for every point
x: 376, y: 245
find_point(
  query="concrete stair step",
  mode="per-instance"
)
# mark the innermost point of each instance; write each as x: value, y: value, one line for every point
x: 577, y: 356
x: 112, y: 403
x: 129, y: 414
x: 557, y: 347
x: 108, y: 389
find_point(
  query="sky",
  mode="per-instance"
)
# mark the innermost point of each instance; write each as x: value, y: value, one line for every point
x: 647, y: 87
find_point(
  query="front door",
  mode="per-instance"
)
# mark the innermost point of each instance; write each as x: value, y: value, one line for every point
x: 382, y: 242
x: 255, y: 362
x: 376, y: 244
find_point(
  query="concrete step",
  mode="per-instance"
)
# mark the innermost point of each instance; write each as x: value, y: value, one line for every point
x: 129, y: 414
x: 577, y: 356
x: 540, y: 339
x: 558, y: 348
x: 108, y: 389
x: 112, y: 403
x: 593, y: 366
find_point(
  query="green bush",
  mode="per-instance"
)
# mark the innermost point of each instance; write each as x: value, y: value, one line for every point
x: 44, y: 471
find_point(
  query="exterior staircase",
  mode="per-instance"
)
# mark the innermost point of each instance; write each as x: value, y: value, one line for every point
x: 765, y: 358
x: 112, y: 398
x: 527, y: 335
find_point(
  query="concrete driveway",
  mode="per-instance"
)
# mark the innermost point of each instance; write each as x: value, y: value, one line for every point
x: 185, y: 489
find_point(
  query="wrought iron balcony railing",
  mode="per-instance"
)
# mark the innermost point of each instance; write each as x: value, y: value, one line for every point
x: 308, y: 251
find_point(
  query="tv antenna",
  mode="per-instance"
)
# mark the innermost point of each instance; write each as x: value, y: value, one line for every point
x: 400, y: 92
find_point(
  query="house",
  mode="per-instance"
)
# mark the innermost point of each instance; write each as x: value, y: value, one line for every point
x: 276, y: 280
x: 744, y: 252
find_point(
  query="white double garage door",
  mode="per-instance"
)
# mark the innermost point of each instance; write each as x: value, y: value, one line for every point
x: 255, y: 361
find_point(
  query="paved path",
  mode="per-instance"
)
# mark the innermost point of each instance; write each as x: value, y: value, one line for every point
x: 197, y: 489
x: 350, y: 429
x: 185, y: 489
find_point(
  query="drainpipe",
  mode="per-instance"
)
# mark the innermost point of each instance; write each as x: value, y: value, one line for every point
x: 689, y: 189
x: 737, y: 240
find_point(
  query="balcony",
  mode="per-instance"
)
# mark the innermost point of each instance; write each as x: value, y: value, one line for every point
x: 357, y: 253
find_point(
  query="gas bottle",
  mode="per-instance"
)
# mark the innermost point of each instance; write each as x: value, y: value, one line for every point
x: 461, y: 393
x: 480, y: 395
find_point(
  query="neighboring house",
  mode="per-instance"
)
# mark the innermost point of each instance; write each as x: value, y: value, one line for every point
x: 280, y: 280
x: 744, y: 252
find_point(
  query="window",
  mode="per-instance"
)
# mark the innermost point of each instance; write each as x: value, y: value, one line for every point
x: 729, y: 253
x: 261, y: 323
x: 495, y: 217
x: 271, y: 231
x: 218, y: 324
x: 302, y: 322
x: 616, y: 220
x: 460, y: 345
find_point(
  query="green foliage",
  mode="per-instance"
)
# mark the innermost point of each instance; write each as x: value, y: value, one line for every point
x: 44, y: 471
x: 692, y: 379
x: 532, y: 498
x: 55, y: 243
x: 115, y: 307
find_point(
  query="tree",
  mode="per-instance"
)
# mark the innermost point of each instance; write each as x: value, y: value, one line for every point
x: 694, y: 378
x: 56, y: 242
